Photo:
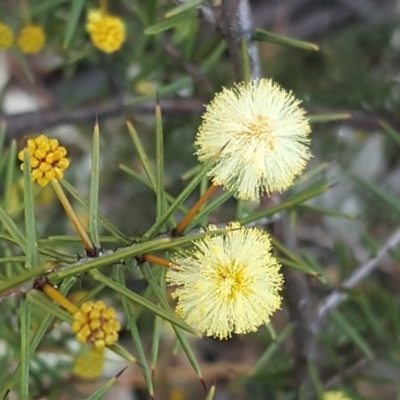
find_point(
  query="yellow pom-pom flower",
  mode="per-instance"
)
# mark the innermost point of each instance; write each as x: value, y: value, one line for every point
x: 335, y: 395
x: 96, y: 324
x: 107, y: 32
x: 31, y: 39
x: 90, y: 363
x: 6, y: 36
x: 47, y: 159
x: 261, y: 133
x: 227, y: 284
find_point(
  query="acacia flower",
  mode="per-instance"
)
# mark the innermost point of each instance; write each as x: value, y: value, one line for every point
x: 262, y: 134
x: 90, y: 363
x: 227, y: 284
x: 6, y: 36
x: 335, y: 395
x: 107, y: 32
x: 47, y: 159
x: 31, y: 39
x: 96, y: 324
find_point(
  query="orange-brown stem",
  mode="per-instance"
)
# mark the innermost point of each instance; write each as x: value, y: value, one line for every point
x: 194, y: 210
x: 87, y: 243
x: 157, y: 260
x: 54, y: 294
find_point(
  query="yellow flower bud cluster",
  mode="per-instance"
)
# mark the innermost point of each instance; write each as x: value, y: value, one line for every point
x: 96, y: 324
x: 6, y: 36
x: 107, y: 32
x: 47, y: 159
x: 31, y: 39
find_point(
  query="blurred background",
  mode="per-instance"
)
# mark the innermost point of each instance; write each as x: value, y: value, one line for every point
x: 63, y: 89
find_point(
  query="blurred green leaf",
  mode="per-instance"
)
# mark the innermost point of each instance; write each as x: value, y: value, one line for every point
x: 187, y: 5
x: 32, y: 257
x: 94, y: 188
x: 351, y: 333
x: 99, y: 393
x: 72, y: 21
x: 265, y: 36
x: 324, y: 118
x: 211, y: 392
x: 10, y: 175
x: 383, y: 195
x: 168, y: 23
x: 135, y: 337
x: 25, y: 318
x: 390, y: 132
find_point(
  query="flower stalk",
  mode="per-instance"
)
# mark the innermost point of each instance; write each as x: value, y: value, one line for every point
x: 195, y: 209
x: 87, y: 243
x: 51, y: 292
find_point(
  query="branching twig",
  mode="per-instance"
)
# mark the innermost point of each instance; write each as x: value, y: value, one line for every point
x: 336, y: 297
x: 18, y: 124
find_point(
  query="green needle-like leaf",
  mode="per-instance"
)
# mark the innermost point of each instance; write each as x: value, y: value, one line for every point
x: 13, y: 229
x: 324, y: 118
x: 41, y: 301
x: 170, y: 199
x: 148, y: 274
x: 115, y: 257
x: 25, y: 318
x: 391, y: 132
x: 136, y: 337
x: 169, y: 23
x: 141, y: 301
x: 265, y: 36
x: 159, y: 163
x: 99, y: 393
x: 10, y: 173
x: 2, y: 140
x: 94, y: 188
x: 308, y: 193
x: 350, y: 331
x: 72, y: 21
x: 187, y: 5
x: 390, y: 200
x: 32, y: 257
x: 211, y: 392
x: 180, y: 199
x: 142, y: 155
x: 112, y: 229
x: 270, y: 351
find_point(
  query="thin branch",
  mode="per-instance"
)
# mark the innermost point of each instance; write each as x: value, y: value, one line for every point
x: 235, y: 24
x: 298, y: 300
x: 18, y: 124
x: 362, y: 272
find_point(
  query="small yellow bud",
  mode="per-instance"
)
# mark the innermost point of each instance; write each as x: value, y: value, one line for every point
x: 46, y: 156
x: 31, y: 39
x: 107, y: 32
x: 6, y: 36
x: 96, y: 324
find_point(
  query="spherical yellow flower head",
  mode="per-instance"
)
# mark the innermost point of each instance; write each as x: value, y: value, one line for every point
x: 96, y: 324
x: 262, y: 134
x: 89, y: 364
x: 31, y: 39
x: 335, y: 395
x: 47, y: 159
x: 6, y: 36
x: 107, y: 32
x: 227, y: 283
